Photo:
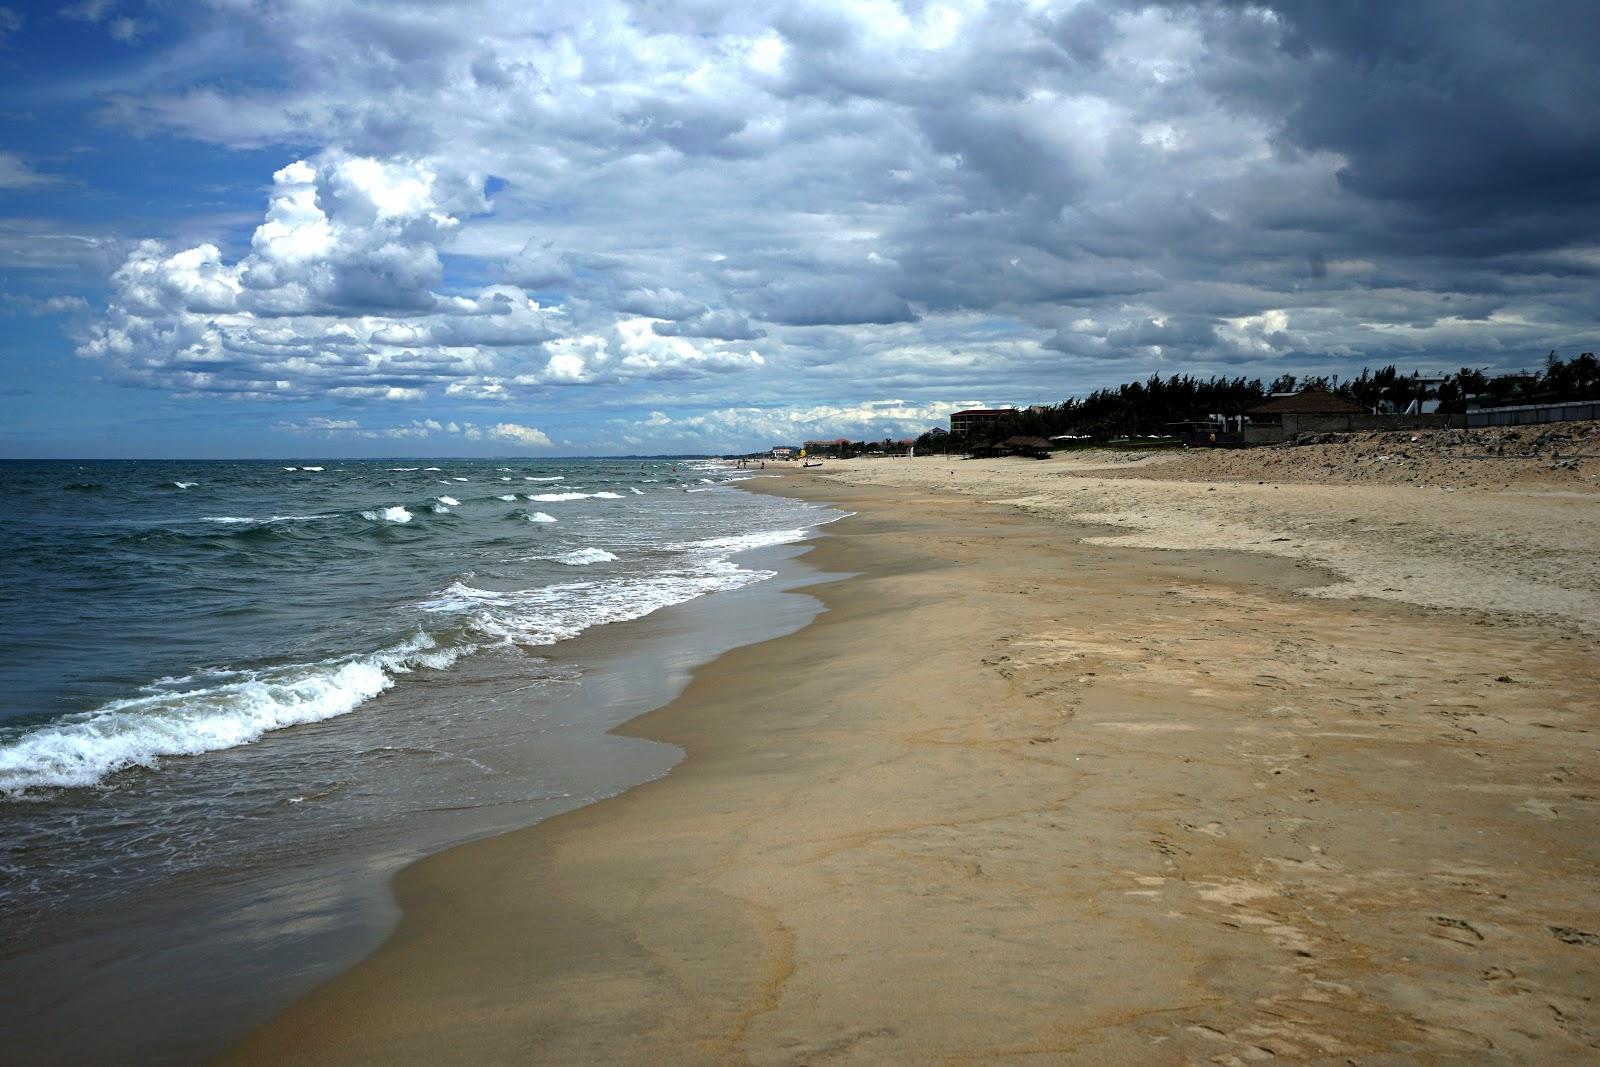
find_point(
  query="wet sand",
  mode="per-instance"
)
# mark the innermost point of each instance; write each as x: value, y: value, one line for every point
x: 1021, y: 797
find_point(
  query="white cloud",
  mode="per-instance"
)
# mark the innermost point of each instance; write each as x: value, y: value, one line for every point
x: 736, y: 427
x: 340, y: 295
x: 16, y: 172
x: 326, y: 427
x: 317, y: 424
x: 522, y: 435
x: 336, y: 296
x: 89, y: 10
x: 127, y: 30
x: 50, y: 305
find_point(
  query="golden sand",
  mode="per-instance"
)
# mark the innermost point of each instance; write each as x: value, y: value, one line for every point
x: 1018, y: 797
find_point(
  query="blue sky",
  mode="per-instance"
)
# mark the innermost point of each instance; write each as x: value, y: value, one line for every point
x: 286, y: 228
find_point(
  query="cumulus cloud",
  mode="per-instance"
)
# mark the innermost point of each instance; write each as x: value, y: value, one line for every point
x: 339, y: 295
x: 538, y: 266
x: 657, y: 303
x: 526, y: 436
x: 721, y: 325
x: 631, y: 350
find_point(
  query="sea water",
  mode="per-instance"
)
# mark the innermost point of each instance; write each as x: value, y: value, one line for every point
x: 217, y: 674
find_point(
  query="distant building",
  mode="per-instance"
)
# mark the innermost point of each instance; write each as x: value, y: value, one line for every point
x: 963, y: 423
x: 1309, y: 402
x: 1286, y: 417
x: 783, y: 452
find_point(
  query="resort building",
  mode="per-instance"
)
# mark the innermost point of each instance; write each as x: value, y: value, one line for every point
x: 963, y: 423
x: 783, y: 452
x: 1289, y: 416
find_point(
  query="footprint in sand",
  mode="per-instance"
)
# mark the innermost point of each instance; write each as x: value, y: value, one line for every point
x: 1534, y: 806
x: 1458, y: 930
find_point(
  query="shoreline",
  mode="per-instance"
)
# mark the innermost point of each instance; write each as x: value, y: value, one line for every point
x: 181, y: 976
x: 1089, y: 833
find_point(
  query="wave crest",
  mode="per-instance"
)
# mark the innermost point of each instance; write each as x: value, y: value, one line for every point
x: 84, y: 749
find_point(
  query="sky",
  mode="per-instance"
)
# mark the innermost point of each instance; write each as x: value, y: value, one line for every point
x: 278, y: 228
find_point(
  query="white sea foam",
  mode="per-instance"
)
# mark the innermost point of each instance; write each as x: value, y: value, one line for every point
x: 394, y: 514
x: 509, y: 497
x: 582, y: 557
x: 185, y: 485
x: 317, y: 469
x: 239, y: 520
x: 635, y: 490
x: 552, y: 613
x: 741, y: 542
x: 539, y: 516
x: 505, y: 479
x: 550, y: 498
x: 607, y: 496
x: 438, y: 509
x: 450, y: 500
x: 552, y: 478
x: 83, y: 749
x: 291, y: 468
x: 430, y: 468
x: 404, y: 468
x: 699, y: 490
x: 458, y: 479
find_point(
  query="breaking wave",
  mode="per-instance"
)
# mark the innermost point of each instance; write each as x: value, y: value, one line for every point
x: 84, y: 749
x: 582, y: 557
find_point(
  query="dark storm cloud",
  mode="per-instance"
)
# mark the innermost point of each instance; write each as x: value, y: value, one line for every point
x: 1475, y: 120
x: 840, y: 302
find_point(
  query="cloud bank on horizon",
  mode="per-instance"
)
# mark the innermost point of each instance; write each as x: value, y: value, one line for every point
x: 487, y: 225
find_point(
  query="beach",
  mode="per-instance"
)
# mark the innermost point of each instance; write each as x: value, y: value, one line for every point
x: 1078, y: 764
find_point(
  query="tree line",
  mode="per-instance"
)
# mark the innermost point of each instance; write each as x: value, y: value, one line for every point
x: 1149, y: 408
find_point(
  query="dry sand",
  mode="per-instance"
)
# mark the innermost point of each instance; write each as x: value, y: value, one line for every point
x: 1024, y: 794
x: 1529, y: 550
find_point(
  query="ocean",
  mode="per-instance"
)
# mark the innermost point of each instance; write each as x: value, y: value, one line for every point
x: 236, y: 696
